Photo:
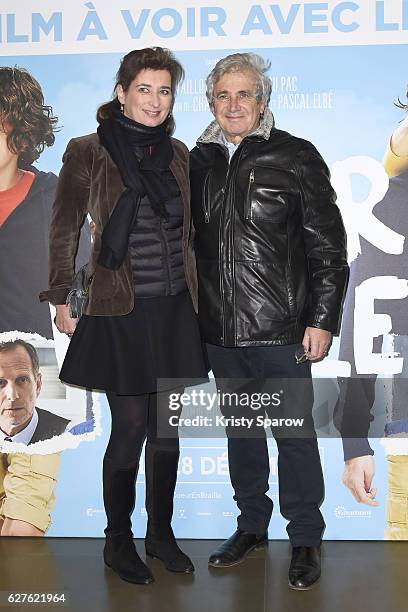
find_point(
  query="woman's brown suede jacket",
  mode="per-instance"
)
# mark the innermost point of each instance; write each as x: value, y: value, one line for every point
x: 90, y: 182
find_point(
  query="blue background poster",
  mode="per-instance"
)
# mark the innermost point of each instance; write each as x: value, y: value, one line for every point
x: 334, y: 86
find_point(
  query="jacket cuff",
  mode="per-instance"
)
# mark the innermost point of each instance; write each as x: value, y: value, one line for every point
x: 55, y: 296
x: 356, y: 447
x: 323, y: 323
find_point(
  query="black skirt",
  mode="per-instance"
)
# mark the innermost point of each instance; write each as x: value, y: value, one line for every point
x: 127, y: 354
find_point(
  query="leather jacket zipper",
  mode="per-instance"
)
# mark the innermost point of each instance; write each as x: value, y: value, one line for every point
x: 248, y: 211
x: 206, y: 198
x: 230, y: 194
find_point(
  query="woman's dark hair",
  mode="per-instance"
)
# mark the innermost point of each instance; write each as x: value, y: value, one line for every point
x: 29, y: 124
x: 151, y: 58
x: 400, y: 104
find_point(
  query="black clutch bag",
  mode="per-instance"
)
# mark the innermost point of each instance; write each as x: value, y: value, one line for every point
x: 77, y: 298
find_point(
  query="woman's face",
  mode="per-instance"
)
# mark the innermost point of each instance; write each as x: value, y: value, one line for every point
x: 148, y: 98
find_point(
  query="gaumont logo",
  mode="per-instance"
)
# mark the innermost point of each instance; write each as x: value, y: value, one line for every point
x: 341, y: 512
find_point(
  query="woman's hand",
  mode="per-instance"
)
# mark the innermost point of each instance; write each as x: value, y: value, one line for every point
x: 65, y: 324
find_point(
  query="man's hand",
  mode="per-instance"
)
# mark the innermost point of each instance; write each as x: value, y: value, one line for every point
x: 316, y: 343
x: 65, y: 324
x: 357, y: 476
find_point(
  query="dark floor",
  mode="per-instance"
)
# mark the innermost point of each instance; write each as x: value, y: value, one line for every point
x: 357, y: 577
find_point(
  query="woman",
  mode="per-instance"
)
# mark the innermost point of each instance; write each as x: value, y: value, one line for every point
x: 139, y: 324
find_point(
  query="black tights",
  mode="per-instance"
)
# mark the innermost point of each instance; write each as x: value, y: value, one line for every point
x: 135, y: 419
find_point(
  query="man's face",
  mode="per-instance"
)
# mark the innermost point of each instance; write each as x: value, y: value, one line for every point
x: 235, y: 106
x: 19, y: 390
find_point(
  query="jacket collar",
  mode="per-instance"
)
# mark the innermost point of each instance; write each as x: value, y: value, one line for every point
x: 212, y: 134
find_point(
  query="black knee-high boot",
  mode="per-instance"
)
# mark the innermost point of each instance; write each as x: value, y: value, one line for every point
x: 120, y: 554
x: 161, y: 461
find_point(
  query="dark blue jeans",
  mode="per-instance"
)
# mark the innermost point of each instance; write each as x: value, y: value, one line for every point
x: 301, y: 487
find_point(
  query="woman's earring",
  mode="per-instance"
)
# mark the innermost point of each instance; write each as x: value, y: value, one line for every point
x: 261, y: 115
x: 122, y: 108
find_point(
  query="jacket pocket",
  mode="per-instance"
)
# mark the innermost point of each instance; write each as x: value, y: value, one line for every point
x: 103, y: 283
x: 264, y: 201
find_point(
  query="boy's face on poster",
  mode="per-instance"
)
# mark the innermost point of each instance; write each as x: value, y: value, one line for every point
x: 148, y: 98
x: 6, y: 156
x: 19, y: 390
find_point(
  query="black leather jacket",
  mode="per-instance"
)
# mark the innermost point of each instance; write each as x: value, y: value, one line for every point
x: 270, y: 243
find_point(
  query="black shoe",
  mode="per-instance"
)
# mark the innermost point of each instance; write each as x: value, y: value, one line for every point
x: 120, y: 555
x: 304, y: 567
x: 236, y: 548
x: 166, y: 549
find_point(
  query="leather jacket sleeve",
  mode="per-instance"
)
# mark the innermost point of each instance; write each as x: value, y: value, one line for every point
x: 68, y: 214
x: 324, y: 239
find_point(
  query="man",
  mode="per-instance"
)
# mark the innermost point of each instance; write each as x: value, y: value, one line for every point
x: 358, y: 393
x: 271, y: 261
x: 27, y: 482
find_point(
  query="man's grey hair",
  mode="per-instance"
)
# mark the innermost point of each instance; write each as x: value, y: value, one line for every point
x: 238, y: 62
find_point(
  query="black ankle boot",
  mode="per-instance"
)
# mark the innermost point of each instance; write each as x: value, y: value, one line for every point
x: 161, y: 475
x: 120, y: 555
x: 119, y: 498
x: 167, y: 550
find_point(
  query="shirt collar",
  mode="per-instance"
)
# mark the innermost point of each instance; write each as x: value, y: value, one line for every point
x: 24, y: 436
x: 230, y: 145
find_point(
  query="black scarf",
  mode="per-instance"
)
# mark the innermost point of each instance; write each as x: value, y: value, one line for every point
x: 120, y: 135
